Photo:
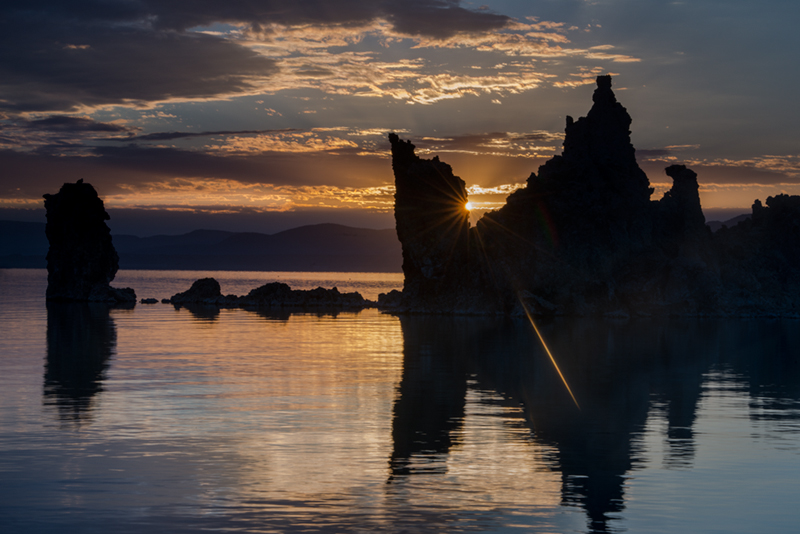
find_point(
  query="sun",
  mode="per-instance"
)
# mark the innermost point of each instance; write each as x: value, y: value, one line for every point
x: 469, y: 206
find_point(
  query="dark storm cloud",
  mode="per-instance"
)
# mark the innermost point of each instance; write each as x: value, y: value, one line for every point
x: 61, y: 56
x: 441, y: 19
x: 59, y: 123
x: 430, y: 18
x: 46, y: 65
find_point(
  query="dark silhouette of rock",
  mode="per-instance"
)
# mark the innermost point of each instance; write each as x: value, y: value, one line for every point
x: 391, y: 300
x: 432, y: 225
x: 681, y: 216
x: 759, y: 259
x: 206, y: 291
x: 280, y: 295
x: 584, y: 237
x: 81, y: 261
x: 203, y: 291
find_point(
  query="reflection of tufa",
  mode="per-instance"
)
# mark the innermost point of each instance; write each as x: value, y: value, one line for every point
x: 81, y: 261
x: 584, y: 237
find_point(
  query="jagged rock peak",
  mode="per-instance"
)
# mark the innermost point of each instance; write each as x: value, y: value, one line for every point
x: 685, y: 191
x: 603, y: 94
x: 603, y: 136
x: 681, y: 215
x: 431, y: 218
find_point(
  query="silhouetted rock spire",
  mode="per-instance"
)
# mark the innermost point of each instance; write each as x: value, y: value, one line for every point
x: 81, y: 261
x: 681, y: 216
x: 432, y: 224
x: 584, y: 237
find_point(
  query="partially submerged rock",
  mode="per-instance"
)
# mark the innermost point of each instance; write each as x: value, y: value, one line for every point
x: 203, y: 291
x: 280, y: 295
x: 81, y: 261
x: 206, y: 291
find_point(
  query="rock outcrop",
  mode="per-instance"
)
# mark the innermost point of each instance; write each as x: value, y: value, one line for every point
x: 81, y: 261
x: 759, y: 259
x: 207, y: 291
x: 432, y: 224
x: 584, y: 237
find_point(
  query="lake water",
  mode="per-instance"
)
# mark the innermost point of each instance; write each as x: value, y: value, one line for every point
x: 157, y: 419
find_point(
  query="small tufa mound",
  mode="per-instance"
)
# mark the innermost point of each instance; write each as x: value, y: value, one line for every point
x: 203, y: 291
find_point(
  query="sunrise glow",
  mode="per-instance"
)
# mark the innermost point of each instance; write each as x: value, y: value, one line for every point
x: 241, y: 111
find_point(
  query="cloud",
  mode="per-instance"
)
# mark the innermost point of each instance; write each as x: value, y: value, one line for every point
x: 441, y: 19
x: 232, y: 195
x: 434, y: 18
x: 65, y: 123
x: 83, y: 55
x: 50, y: 64
x: 57, y: 56
x: 169, y: 136
x: 529, y: 144
x: 766, y: 169
x: 123, y: 169
x: 60, y: 134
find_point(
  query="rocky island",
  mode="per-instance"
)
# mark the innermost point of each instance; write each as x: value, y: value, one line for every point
x: 207, y: 292
x: 584, y: 237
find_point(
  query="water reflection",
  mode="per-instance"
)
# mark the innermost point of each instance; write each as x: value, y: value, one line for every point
x: 81, y: 337
x: 431, y: 396
x: 621, y: 374
x: 210, y: 312
x: 201, y: 312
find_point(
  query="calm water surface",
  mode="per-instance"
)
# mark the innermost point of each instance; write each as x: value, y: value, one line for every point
x: 156, y: 419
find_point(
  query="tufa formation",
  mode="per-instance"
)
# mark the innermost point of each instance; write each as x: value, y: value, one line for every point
x: 584, y: 237
x: 81, y: 261
x: 207, y: 292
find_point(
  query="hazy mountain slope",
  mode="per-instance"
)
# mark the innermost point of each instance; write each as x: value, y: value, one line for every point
x: 321, y: 247
x: 22, y: 244
x: 730, y: 223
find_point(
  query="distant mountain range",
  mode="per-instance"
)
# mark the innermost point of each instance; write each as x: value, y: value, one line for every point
x: 319, y: 247
x: 730, y: 223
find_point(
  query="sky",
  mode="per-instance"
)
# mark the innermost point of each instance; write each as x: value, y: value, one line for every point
x: 251, y: 115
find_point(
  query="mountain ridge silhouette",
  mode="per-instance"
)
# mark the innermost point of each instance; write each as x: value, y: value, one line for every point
x: 316, y: 247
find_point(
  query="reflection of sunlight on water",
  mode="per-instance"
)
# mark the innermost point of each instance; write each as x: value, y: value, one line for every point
x: 363, y: 422
x: 493, y: 430
x: 291, y: 422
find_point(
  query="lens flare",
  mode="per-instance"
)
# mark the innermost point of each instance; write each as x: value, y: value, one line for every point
x: 469, y: 206
x: 552, y: 359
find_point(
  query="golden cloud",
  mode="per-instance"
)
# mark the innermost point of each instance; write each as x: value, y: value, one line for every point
x: 234, y: 195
